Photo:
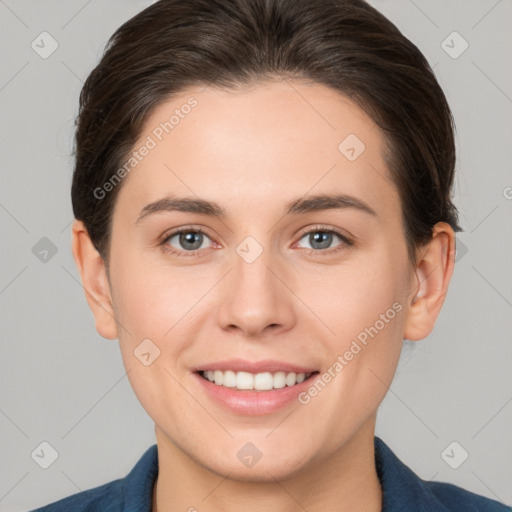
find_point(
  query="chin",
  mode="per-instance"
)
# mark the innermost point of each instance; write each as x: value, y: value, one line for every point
x: 267, y: 469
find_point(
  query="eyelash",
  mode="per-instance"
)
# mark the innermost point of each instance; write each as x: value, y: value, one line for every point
x: 316, y: 229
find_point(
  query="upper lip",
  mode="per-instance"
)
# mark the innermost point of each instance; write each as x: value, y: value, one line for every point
x: 266, y: 365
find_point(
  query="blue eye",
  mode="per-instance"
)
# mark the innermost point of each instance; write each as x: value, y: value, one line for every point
x: 321, y: 240
x: 190, y: 241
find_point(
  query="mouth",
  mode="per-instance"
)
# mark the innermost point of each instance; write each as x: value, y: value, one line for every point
x: 247, y: 381
x: 254, y: 388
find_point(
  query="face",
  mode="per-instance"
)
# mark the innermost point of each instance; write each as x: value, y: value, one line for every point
x: 266, y: 277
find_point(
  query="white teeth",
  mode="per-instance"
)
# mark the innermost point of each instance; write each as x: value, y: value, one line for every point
x: 263, y: 381
x: 229, y: 379
x: 291, y: 379
x: 218, y: 376
x: 260, y: 381
x: 244, y: 380
x: 279, y: 380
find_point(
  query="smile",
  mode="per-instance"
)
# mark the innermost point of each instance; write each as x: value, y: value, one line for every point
x: 263, y: 381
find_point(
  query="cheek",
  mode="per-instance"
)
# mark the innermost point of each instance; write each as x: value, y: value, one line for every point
x: 364, y: 308
x: 353, y: 297
x: 150, y: 300
x: 368, y: 334
x: 158, y: 310
x: 362, y: 356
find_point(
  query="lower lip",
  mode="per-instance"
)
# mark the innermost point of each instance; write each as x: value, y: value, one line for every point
x: 254, y: 403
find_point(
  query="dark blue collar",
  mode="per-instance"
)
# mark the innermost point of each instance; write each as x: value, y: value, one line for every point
x: 403, y: 490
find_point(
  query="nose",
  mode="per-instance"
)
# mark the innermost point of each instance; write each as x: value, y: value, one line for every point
x: 256, y: 298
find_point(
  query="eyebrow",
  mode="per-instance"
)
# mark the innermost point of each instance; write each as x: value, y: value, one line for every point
x: 316, y: 203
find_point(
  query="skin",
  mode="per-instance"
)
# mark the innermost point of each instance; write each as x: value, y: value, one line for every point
x: 252, y: 150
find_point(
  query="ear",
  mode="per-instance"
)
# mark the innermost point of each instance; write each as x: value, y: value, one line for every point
x: 434, y: 268
x: 94, y: 280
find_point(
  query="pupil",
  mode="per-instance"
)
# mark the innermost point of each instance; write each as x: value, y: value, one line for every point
x: 322, y: 238
x: 191, y: 238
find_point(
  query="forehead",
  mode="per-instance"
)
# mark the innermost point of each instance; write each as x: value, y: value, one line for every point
x: 268, y: 142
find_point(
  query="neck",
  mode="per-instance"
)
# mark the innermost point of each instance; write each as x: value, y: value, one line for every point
x: 345, y: 481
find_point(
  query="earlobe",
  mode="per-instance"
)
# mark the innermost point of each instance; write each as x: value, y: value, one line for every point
x: 94, y: 280
x: 432, y: 276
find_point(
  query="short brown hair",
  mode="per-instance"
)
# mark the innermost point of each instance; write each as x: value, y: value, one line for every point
x: 344, y: 44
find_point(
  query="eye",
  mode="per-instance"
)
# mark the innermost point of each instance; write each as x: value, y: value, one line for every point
x: 185, y: 241
x: 320, y: 240
x: 191, y: 241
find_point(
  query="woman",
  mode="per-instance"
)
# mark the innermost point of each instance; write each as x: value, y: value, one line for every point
x: 262, y: 194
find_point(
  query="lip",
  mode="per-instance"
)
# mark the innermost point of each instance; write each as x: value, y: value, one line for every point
x: 267, y: 365
x: 253, y: 403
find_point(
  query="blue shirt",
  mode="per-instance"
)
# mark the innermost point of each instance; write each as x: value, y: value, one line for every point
x: 403, y: 490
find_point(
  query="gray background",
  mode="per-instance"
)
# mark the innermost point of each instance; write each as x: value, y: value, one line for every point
x: 64, y: 384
